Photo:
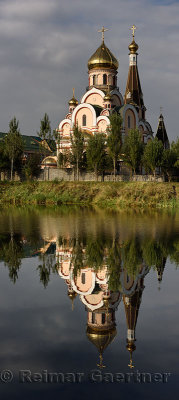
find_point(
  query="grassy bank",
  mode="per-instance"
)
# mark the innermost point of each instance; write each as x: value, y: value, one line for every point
x: 112, y: 194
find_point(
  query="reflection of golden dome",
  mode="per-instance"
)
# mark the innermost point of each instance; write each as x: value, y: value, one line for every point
x: 131, y: 346
x: 102, y: 58
x: 72, y: 295
x: 101, y: 339
x: 133, y: 47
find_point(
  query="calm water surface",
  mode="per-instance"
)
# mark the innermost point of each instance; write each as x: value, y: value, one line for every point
x: 88, y: 292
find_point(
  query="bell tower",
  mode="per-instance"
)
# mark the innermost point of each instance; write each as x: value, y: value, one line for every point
x: 133, y: 93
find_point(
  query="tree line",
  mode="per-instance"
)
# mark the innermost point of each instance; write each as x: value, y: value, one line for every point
x: 12, y: 148
x: 100, y: 152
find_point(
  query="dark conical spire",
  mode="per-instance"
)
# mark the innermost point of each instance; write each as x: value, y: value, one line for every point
x: 162, y: 133
x: 133, y: 93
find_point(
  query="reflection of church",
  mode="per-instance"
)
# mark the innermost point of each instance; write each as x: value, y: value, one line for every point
x: 103, y: 96
x: 100, y: 303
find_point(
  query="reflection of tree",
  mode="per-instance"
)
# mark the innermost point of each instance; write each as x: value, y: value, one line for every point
x: 153, y: 252
x: 77, y: 257
x: 174, y: 252
x: 12, y: 253
x: 47, y: 266
x: 132, y: 256
x: 95, y: 252
x: 114, y: 266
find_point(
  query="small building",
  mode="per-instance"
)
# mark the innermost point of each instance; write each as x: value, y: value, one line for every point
x: 162, y: 133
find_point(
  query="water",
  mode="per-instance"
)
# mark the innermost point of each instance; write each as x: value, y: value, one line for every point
x: 88, y: 304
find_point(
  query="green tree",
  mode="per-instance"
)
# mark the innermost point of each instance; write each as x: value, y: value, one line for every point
x: 133, y: 150
x: 45, y: 128
x: 13, y: 143
x: 175, y: 148
x: 153, y: 154
x: 96, y: 153
x: 4, y: 161
x: 169, y: 160
x: 77, y: 142
x: 32, y: 167
x: 114, y: 139
x: 45, y: 134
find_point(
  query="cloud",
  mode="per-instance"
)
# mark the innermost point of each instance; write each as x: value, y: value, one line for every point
x: 45, y: 46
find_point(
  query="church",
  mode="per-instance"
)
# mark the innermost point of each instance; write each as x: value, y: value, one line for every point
x: 103, y: 97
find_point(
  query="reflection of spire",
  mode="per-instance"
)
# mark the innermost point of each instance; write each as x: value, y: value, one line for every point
x: 72, y: 295
x: 131, y: 347
x: 100, y: 365
x: 160, y: 269
x: 132, y: 305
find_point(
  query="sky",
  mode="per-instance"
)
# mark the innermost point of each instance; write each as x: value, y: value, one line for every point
x: 45, y: 46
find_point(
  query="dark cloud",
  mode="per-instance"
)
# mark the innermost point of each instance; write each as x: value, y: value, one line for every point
x: 45, y: 46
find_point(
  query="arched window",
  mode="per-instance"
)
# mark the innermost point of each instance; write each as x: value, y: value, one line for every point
x: 83, y: 280
x: 104, y: 79
x: 128, y: 121
x: 84, y: 120
x: 94, y: 79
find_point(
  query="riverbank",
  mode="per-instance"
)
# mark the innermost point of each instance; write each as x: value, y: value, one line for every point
x: 103, y: 194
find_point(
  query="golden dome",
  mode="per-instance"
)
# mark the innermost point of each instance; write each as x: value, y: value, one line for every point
x: 133, y: 47
x: 108, y: 96
x: 101, y: 339
x: 73, y: 102
x: 102, y: 58
x: 50, y: 161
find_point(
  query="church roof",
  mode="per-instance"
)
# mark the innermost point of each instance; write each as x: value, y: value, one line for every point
x: 103, y: 58
x: 133, y: 94
x: 32, y: 144
x: 162, y: 133
x: 132, y: 309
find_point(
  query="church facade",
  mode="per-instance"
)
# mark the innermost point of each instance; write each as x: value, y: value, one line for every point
x: 103, y: 97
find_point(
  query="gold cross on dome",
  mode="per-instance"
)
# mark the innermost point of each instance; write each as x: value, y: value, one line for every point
x: 103, y: 29
x: 73, y: 92
x: 133, y: 30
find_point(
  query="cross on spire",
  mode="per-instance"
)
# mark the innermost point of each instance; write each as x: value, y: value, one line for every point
x: 161, y: 110
x: 103, y: 29
x: 133, y: 28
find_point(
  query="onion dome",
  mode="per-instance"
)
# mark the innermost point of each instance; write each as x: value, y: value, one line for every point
x: 103, y: 58
x: 50, y: 161
x: 73, y: 101
x: 133, y: 47
x: 108, y: 96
